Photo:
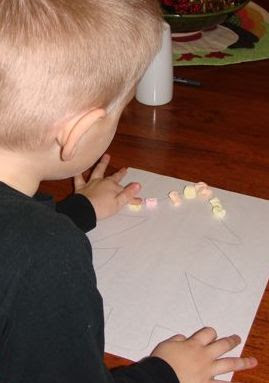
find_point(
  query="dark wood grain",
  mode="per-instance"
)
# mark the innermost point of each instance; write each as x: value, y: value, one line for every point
x: 218, y: 133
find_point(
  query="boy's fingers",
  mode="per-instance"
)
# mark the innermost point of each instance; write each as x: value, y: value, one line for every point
x: 100, y: 168
x: 127, y: 194
x: 205, y: 336
x: 221, y: 346
x: 178, y: 338
x: 118, y: 176
x: 79, y: 182
x: 222, y: 366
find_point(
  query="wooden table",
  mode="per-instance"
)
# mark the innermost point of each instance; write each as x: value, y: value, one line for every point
x: 218, y: 133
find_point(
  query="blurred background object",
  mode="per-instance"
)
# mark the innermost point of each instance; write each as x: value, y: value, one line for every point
x: 195, y: 15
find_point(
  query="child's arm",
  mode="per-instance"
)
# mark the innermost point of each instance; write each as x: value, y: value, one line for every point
x: 105, y: 193
x: 199, y: 358
x: 54, y: 330
x: 98, y: 198
x: 54, y: 321
x: 80, y: 210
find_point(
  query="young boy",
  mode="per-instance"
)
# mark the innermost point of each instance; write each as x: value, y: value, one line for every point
x: 67, y: 69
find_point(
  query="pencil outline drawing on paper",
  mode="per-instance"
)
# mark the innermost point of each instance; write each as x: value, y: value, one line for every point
x: 183, y: 269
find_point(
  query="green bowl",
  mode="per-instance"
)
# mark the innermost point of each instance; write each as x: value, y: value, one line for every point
x: 199, y: 22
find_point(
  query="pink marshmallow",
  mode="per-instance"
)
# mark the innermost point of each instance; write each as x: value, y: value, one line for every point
x: 200, y: 185
x: 151, y: 202
x: 205, y: 193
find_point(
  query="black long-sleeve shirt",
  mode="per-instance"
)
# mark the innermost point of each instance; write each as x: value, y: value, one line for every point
x: 51, y: 312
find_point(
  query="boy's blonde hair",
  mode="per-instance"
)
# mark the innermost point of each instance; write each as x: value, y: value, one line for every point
x: 60, y: 57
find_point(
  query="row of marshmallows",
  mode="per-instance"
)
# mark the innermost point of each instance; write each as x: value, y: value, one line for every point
x: 200, y: 190
x: 203, y: 192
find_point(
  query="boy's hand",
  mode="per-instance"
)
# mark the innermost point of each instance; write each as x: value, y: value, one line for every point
x: 196, y: 359
x: 106, y: 194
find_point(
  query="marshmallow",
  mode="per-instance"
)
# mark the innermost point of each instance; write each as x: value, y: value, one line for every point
x: 215, y: 202
x: 205, y: 193
x: 200, y: 185
x: 219, y: 212
x: 151, y: 202
x: 190, y: 192
x: 135, y: 207
x: 175, y: 198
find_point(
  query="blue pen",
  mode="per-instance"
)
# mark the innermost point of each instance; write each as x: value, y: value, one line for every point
x: 186, y: 81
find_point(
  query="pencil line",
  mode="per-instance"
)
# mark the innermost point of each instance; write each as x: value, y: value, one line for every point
x: 193, y: 299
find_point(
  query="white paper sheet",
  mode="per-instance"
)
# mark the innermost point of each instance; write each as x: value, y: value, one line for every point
x: 174, y: 270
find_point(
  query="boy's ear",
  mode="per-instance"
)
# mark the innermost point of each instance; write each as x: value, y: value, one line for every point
x: 71, y: 133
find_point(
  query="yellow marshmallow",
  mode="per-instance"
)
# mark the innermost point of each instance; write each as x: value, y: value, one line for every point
x: 219, y: 212
x: 134, y: 207
x: 190, y: 192
x: 215, y: 202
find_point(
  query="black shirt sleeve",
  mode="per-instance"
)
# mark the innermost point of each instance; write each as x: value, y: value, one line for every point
x: 76, y: 206
x: 80, y: 210
x: 148, y: 370
x: 55, y: 332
